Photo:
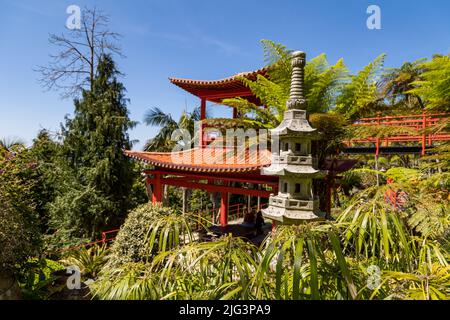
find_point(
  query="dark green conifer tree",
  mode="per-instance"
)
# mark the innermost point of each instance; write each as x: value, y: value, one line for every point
x: 96, y: 177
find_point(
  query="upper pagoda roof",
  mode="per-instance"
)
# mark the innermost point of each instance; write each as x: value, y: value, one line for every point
x: 217, y: 90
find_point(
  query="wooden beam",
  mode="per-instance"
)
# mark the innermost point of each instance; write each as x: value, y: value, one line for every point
x: 202, y: 117
x: 223, y: 94
x: 260, y: 182
x: 213, y: 188
x: 256, y: 177
x: 235, y: 113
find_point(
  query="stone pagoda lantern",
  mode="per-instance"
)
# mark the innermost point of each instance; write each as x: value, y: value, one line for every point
x: 292, y: 158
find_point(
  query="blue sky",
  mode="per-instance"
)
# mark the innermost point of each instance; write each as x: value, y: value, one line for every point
x: 202, y: 40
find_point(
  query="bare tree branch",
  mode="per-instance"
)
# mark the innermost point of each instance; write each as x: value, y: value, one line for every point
x: 73, y: 67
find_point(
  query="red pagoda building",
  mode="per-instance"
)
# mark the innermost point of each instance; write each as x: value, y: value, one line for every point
x: 199, y: 168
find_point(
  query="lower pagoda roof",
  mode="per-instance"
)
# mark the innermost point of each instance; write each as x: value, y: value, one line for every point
x: 220, y: 160
x: 213, y: 160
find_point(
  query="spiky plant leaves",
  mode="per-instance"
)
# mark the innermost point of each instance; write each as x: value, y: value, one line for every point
x: 90, y: 261
x: 297, y: 263
x: 373, y: 230
x: 426, y: 283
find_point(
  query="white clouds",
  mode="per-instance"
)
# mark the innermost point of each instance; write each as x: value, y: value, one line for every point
x: 31, y: 9
x: 195, y: 39
x: 227, y: 48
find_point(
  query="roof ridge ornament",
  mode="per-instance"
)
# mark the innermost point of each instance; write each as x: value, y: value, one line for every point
x: 296, y: 98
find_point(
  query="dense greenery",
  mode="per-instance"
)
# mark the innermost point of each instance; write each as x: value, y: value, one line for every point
x: 20, y: 237
x: 327, y: 260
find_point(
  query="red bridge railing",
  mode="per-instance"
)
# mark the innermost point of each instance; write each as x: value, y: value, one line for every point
x: 419, y: 123
x: 107, y: 237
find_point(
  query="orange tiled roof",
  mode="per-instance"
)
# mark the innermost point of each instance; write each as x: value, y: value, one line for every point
x: 205, y: 160
x: 231, y: 85
x: 225, y: 82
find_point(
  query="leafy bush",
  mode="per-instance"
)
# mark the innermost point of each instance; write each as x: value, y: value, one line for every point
x: 19, y: 231
x: 141, y: 233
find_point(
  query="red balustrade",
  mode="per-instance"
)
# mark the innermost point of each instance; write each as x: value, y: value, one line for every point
x: 418, y: 123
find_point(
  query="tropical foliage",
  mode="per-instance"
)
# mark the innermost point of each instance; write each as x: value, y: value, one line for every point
x: 433, y: 84
x: 313, y: 261
x: 163, y: 140
x: 20, y: 238
x: 89, y: 261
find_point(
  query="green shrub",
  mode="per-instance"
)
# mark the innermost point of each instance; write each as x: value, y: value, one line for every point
x: 132, y: 243
x: 20, y: 238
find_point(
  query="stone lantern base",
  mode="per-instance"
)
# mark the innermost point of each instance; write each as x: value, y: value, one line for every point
x: 292, y: 211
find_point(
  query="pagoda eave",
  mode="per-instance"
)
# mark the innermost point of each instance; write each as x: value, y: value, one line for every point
x: 294, y: 170
x: 286, y: 216
x: 311, y: 134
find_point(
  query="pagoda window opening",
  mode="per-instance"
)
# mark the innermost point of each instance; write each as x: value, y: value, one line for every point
x: 286, y: 147
x: 285, y: 187
x: 297, y: 188
x: 298, y: 147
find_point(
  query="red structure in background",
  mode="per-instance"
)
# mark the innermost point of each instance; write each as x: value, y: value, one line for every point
x: 228, y: 177
x: 418, y: 123
x: 216, y: 172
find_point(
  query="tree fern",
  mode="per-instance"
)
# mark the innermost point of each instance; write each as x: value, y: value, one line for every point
x: 322, y: 85
x: 434, y: 86
x: 359, y: 96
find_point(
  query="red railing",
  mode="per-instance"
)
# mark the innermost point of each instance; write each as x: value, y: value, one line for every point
x: 419, y: 123
x: 106, y: 238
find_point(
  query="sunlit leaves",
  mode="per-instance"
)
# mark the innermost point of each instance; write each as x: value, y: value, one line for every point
x: 359, y: 96
x: 434, y: 85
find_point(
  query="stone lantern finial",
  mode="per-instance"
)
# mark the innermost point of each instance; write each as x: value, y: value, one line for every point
x: 296, y: 98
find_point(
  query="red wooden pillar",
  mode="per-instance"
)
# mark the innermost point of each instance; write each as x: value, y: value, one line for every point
x: 424, y: 125
x: 377, y: 141
x: 224, y: 209
x: 157, y: 194
x: 202, y: 117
